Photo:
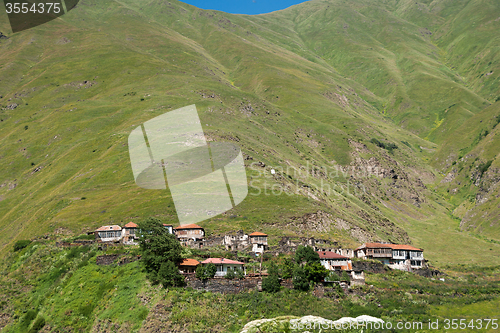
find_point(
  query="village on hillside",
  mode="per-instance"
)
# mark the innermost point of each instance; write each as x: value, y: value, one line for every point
x: 332, y: 257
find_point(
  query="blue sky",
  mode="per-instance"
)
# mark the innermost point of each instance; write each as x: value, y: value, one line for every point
x: 244, y: 6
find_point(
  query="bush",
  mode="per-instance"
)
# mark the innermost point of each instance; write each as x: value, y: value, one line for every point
x: 271, y: 284
x: 85, y: 237
x: 332, y: 277
x: 483, y: 167
x: 345, y: 276
x: 230, y: 274
x: 21, y: 244
x: 37, y: 325
x: 28, y: 318
x: 388, y: 146
x: 240, y: 274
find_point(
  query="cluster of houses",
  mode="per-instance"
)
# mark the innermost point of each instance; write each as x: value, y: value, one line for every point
x: 396, y: 256
x: 190, y: 235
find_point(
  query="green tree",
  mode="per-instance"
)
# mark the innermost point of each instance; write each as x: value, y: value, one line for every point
x: 306, y: 254
x: 205, y: 272
x: 300, y: 281
x: 345, y: 276
x: 158, y: 247
x: 210, y: 270
x: 169, y: 276
x: 272, y: 269
x: 287, y: 268
x: 315, y: 271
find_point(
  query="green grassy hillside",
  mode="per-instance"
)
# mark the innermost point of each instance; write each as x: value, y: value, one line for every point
x: 361, y: 107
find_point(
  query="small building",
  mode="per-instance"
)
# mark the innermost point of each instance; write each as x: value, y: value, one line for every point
x: 169, y: 227
x: 334, y: 261
x: 129, y: 233
x: 190, y: 235
x: 396, y: 256
x: 224, y: 264
x: 357, y: 278
x: 109, y: 233
x: 237, y: 242
x: 188, y: 266
x: 258, y: 241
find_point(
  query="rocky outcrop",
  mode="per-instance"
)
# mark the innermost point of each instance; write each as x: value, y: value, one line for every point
x: 368, y: 266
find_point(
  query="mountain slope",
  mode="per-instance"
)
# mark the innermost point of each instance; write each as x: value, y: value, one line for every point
x: 317, y: 92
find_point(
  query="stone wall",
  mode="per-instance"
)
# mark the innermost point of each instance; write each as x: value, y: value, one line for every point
x: 368, y: 266
x: 427, y: 272
x: 119, y: 259
x: 225, y: 286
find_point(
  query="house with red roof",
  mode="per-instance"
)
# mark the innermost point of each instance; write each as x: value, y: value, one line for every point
x: 334, y: 261
x: 258, y: 240
x: 397, y: 256
x: 223, y: 265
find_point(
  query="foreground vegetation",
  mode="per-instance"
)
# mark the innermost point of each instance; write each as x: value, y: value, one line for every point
x: 63, y: 290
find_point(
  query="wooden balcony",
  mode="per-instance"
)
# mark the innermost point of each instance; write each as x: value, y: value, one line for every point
x: 379, y: 253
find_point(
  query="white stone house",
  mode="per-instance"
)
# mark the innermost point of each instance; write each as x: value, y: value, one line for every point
x: 130, y: 233
x: 258, y: 241
x: 334, y: 261
x: 109, y: 233
x: 169, y: 227
x: 396, y: 256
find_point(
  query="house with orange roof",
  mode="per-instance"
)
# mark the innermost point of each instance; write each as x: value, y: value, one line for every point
x: 108, y: 233
x: 223, y: 265
x: 190, y: 235
x: 396, y: 256
x: 258, y: 240
x: 129, y: 233
x: 188, y: 266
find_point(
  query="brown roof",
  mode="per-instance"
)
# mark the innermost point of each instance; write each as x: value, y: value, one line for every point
x: 257, y: 234
x: 330, y: 255
x: 188, y: 226
x: 110, y: 228
x: 222, y: 261
x: 390, y: 246
x: 189, y: 262
x: 130, y: 225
